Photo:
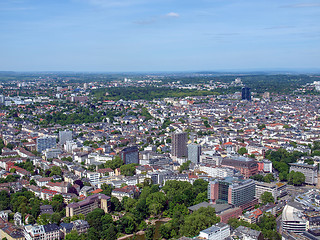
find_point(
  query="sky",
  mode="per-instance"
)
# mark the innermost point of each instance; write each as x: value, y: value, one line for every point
x: 159, y: 35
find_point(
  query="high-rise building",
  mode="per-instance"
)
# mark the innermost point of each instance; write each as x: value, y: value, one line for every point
x: 194, y: 152
x: 44, y: 143
x: 130, y: 155
x: 65, y: 136
x: 179, y: 145
x: 235, y: 191
x: 246, y: 94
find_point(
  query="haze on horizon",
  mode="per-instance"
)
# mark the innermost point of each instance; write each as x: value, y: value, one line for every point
x: 158, y: 35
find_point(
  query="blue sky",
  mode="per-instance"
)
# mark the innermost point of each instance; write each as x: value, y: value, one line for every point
x: 159, y: 35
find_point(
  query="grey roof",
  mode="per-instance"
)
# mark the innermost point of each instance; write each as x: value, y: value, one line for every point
x: 218, y: 207
x: 247, y: 231
x: 51, y: 227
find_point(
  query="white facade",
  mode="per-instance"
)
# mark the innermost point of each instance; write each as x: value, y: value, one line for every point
x: 220, y: 231
x: 214, y: 171
x: 267, y: 166
x: 93, y: 177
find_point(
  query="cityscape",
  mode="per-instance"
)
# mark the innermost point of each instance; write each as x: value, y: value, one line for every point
x: 146, y: 156
x: 148, y: 120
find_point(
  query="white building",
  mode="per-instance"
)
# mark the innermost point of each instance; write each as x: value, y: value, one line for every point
x: 93, y: 177
x: 220, y: 172
x: 220, y: 231
x: 267, y: 166
x: 293, y: 220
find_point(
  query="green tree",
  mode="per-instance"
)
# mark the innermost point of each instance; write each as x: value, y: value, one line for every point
x: 242, y: 151
x: 199, y: 220
x: 266, y: 197
x: 296, y: 178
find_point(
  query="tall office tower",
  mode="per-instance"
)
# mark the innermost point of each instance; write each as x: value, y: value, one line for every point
x: 2, y: 99
x: 194, y: 152
x: 130, y: 155
x: 179, y: 145
x: 246, y: 94
x: 235, y: 191
x: 44, y: 143
x: 65, y: 136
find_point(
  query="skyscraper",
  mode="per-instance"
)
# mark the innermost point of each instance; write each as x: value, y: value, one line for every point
x: 179, y: 145
x: 194, y: 152
x: 65, y: 136
x: 246, y: 94
x: 130, y: 155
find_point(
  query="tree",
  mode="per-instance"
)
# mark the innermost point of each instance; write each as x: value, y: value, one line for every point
x: 296, y: 178
x: 128, y: 169
x: 58, y: 198
x: 107, y: 189
x: 55, y: 170
x: 184, y: 166
x: 94, y: 218
x: 199, y: 220
x: 266, y: 197
x: 242, y: 151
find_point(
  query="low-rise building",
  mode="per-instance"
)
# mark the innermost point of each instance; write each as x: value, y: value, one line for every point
x: 219, y: 231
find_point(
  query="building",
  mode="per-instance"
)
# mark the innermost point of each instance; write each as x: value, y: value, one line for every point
x: 46, y: 232
x: 309, y: 171
x: 252, y: 216
x: 217, y: 172
x: 247, y: 234
x: 52, y: 153
x: 93, y: 177
x: 219, y: 231
x: 179, y: 145
x: 277, y: 189
x: 247, y: 167
x: 65, y: 136
x: 267, y: 166
x: 235, y: 191
x: 246, y: 94
x: 293, y: 219
x: 126, y: 191
x: 89, y: 204
x: 130, y: 155
x: 194, y: 152
x: 44, y: 143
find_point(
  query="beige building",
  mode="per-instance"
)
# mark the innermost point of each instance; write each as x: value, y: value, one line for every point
x: 88, y: 205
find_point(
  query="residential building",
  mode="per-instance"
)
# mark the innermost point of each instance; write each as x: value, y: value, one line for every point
x: 44, y: 143
x: 126, y: 191
x: 246, y: 233
x: 52, y: 153
x: 194, y: 152
x: 130, y: 155
x: 179, y: 145
x: 219, y: 231
x: 45, y: 232
x: 93, y: 177
x: 88, y: 205
x: 65, y: 136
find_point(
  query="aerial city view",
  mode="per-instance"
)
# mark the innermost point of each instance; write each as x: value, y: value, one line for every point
x: 159, y: 119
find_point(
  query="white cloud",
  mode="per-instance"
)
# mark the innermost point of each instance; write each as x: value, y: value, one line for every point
x: 172, y: 14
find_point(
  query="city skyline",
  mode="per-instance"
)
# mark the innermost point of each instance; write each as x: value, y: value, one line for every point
x: 106, y: 35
